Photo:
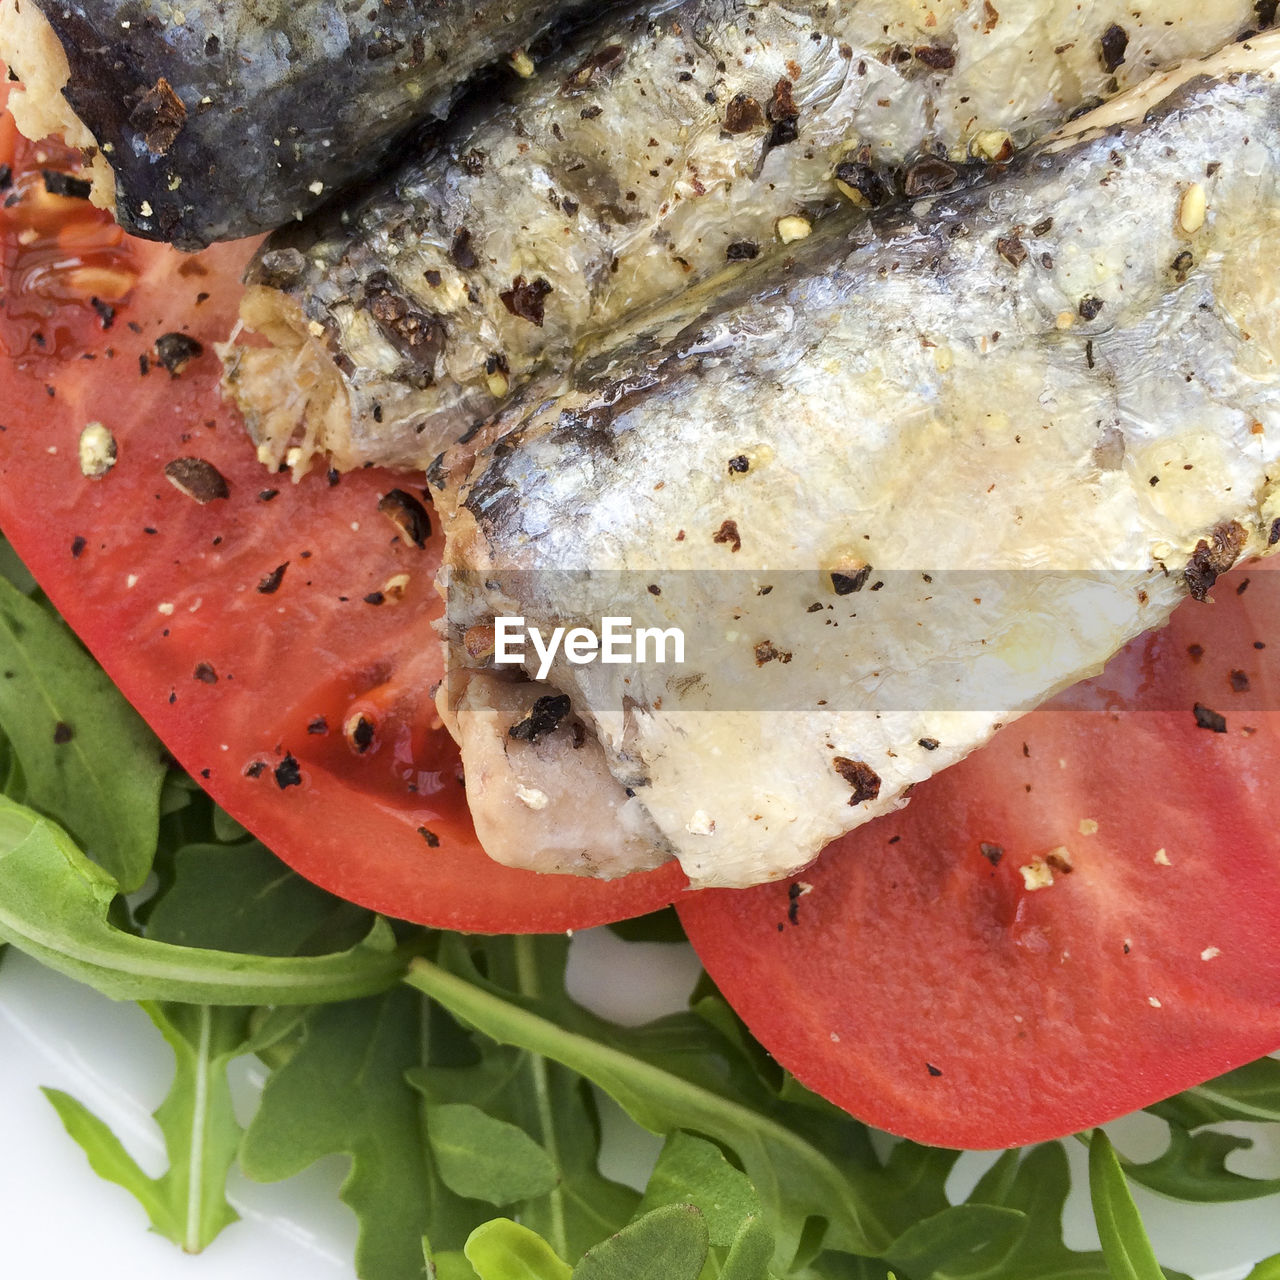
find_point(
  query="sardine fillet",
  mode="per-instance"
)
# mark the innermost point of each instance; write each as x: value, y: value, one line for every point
x: 661, y: 151
x: 209, y: 120
x: 901, y: 490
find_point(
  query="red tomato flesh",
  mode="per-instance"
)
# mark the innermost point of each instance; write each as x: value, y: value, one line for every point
x: 913, y: 976
x: 254, y: 630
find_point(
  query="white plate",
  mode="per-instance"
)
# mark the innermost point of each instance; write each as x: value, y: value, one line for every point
x: 58, y: 1219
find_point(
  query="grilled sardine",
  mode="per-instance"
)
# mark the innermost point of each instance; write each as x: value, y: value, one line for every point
x: 209, y: 121
x: 894, y: 492
x: 665, y: 151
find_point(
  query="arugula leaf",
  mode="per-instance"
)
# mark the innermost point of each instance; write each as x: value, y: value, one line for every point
x: 483, y: 1158
x: 694, y: 1171
x: 669, y: 1243
x: 948, y: 1241
x: 188, y: 1202
x: 505, y: 1250
x: 14, y: 571
x: 655, y: 1074
x: 1124, y: 1241
x: 55, y: 905
x: 681, y: 1073
x: 551, y: 1104
x: 1251, y: 1092
x: 1193, y: 1167
x: 87, y: 758
x: 243, y: 898
x: 749, y: 1253
x: 343, y: 1090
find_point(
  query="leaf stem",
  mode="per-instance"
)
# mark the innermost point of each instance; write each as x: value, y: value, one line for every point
x: 195, y: 1159
x: 527, y: 981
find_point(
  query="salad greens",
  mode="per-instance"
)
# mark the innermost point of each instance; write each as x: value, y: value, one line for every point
x: 459, y: 1076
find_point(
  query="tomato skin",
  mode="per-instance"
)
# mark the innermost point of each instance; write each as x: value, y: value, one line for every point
x: 248, y: 672
x: 913, y: 977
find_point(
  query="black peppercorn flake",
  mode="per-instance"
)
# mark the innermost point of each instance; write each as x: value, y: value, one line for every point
x: 176, y: 350
x: 64, y: 184
x: 1112, y: 46
x: 408, y: 515
x: 727, y: 535
x: 993, y: 853
x: 1207, y: 718
x: 270, y: 584
x: 844, y: 584
x: 197, y: 478
x: 544, y: 717
x: 359, y: 732
x: 288, y: 773
x: 527, y: 299
x: 864, y: 780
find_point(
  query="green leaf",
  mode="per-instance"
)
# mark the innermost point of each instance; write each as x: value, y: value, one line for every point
x: 244, y: 898
x: 452, y: 1265
x: 553, y: 1105
x: 948, y: 1243
x: 1124, y: 1241
x: 681, y: 1073
x: 88, y: 759
x: 691, y: 1170
x: 225, y: 828
x: 1267, y: 1269
x: 343, y: 1091
x: 1193, y: 1167
x: 669, y: 1243
x: 14, y: 571
x: 749, y: 1253
x: 1251, y: 1092
x: 504, y: 1250
x: 188, y: 1202
x: 55, y: 904
x: 657, y: 926
x: 482, y: 1158
x: 1036, y: 1182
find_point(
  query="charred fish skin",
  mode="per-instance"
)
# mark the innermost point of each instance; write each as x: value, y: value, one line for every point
x: 226, y: 120
x: 903, y: 489
x: 662, y: 151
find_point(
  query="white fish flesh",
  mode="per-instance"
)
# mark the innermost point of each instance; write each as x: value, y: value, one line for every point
x: 657, y: 153
x: 895, y: 492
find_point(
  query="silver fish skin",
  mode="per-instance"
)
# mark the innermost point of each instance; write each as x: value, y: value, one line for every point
x: 895, y: 492
x: 215, y: 121
x: 658, y: 153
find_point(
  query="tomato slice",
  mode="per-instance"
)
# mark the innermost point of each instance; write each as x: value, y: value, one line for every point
x: 918, y: 977
x: 1078, y: 920
x: 278, y: 637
